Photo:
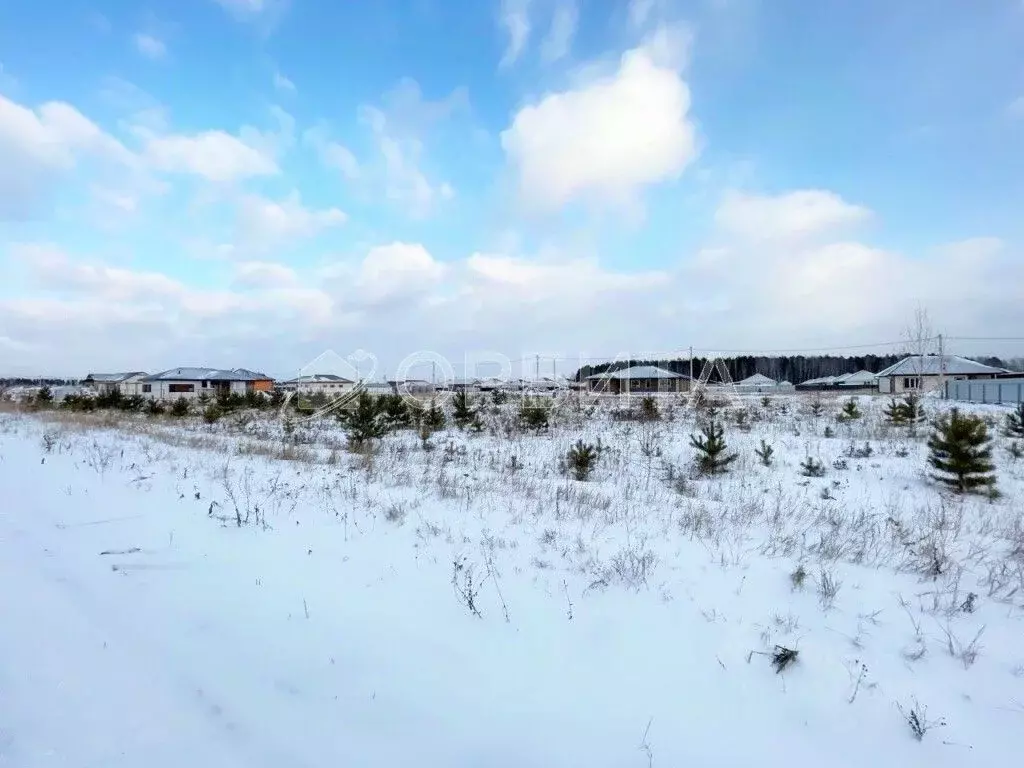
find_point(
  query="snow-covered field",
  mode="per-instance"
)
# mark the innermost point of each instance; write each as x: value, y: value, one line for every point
x: 179, y: 594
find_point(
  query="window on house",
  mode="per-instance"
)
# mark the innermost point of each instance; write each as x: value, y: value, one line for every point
x: 911, y: 382
x: 147, y: 387
x: 206, y: 384
x: 181, y: 388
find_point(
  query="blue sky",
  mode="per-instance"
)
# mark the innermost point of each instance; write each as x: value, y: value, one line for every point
x: 249, y: 182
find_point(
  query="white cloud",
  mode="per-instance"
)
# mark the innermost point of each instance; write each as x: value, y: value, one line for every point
x: 264, y: 274
x: 149, y: 46
x: 52, y: 268
x: 282, y: 83
x: 269, y: 222
x: 1015, y: 108
x: 793, y: 215
x: 398, y: 298
x: 332, y: 153
x: 605, y: 140
x: 40, y: 146
x: 395, y: 168
x: 215, y: 155
x: 404, y: 180
x: 558, y: 42
x: 396, y: 272
x: 515, y: 19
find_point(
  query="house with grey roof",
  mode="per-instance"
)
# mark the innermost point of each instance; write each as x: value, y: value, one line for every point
x: 638, y: 379
x: 318, y: 383
x: 105, y: 383
x: 924, y: 373
x: 190, y: 382
x: 857, y: 380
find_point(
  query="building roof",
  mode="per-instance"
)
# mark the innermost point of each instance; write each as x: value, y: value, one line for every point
x: 757, y: 380
x: 638, y: 372
x: 208, y: 374
x: 858, y: 379
x: 933, y: 365
x: 112, y: 378
x: 317, y: 378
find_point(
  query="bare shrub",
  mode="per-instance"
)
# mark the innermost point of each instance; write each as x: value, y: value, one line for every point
x: 633, y: 567
x: 828, y: 589
x: 916, y: 716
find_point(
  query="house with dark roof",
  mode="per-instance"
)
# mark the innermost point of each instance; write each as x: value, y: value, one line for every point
x: 194, y: 382
x: 105, y: 383
x: 924, y: 373
x: 638, y: 379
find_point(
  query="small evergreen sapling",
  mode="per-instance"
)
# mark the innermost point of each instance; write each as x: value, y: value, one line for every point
x: 180, y: 407
x: 812, y: 468
x: 462, y: 410
x: 364, y: 422
x: 1015, y: 450
x: 434, y: 417
x: 850, y: 411
x: 712, y: 457
x: 765, y: 454
x: 649, y: 409
x: 581, y: 459
x: 894, y: 412
x: 960, y: 452
x: 1015, y: 422
x: 534, y: 413
x: 913, y: 412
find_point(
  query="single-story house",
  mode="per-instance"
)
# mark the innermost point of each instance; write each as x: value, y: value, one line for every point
x: 376, y: 387
x: 460, y: 384
x: 923, y: 373
x: 317, y: 383
x: 194, y: 382
x: 105, y: 383
x: 756, y: 383
x: 638, y: 378
x: 858, y: 380
x: 410, y: 386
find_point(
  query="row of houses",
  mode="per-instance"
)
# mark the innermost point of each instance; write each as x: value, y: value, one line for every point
x: 921, y: 373
x: 916, y: 373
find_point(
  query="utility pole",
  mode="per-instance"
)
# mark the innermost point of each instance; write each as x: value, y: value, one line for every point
x: 433, y: 373
x: 536, y: 374
x: 691, y: 365
x: 942, y: 367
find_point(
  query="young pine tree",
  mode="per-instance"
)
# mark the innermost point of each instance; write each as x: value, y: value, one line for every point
x: 463, y: 412
x: 364, y: 422
x: 44, y: 396
x: 960, y: 452
x: 850, y: 411
x: 712, y: 458
x: 913, y: 411
x: 1015, y: 422
x: 894, y: 412
x: 766, y: 454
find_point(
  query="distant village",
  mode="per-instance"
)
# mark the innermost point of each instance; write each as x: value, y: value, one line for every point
x: 950, y: 375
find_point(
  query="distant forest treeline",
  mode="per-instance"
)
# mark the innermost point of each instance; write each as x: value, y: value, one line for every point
x: 794, y: 369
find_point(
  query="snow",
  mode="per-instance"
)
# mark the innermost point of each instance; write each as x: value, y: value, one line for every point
x: 143, y: 626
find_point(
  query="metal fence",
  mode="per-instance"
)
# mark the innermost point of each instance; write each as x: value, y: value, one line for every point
x: 999, y: 391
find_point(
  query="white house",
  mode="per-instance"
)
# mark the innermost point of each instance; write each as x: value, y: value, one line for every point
x: 756, y: 383
x: 319, y: 383
x: 858, y: 380
x: 194, y: 382
x: 924, y: 373
x: 105, y: 383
